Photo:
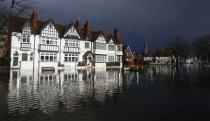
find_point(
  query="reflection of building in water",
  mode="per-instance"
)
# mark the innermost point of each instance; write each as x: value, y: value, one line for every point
x: 45, y: 91
x: 106, y: 82
x: 160, y: 71
x: 70, y: 89
x: 22, y: 95
x: 48, y: 91
x: 129, y: 77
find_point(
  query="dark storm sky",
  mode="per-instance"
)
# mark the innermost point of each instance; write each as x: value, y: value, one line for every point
x: 155, y: 21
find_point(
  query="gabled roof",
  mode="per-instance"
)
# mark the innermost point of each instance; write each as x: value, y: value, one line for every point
x: 67, y: 27
x: 87, y: 53
x: 129, y: 50
x: 27, y: 23
x: 17, y: 22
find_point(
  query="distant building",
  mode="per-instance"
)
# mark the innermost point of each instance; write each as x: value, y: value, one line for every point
x: 41, y: 44
x: 129, y: 57
x: 158, y: 60
x: 162, y: 56
x: 146, y: 49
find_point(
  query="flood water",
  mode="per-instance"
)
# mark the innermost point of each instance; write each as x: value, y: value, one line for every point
x: 154, y: 93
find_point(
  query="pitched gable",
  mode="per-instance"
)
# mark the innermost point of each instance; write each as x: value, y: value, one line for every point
x: 26, y: 29
x: 71, y: 32
x: 99, y: 37
x: 49, y: 30
x: 111, y: 41
x: 128, y: 53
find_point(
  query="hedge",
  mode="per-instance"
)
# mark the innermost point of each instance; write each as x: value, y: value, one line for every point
x: 4, y: 61
x: 113, y: 64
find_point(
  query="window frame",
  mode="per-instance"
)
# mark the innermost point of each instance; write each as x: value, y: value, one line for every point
x: 24, y: 57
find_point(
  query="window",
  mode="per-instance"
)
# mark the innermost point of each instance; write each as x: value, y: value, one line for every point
x: 118, y: 58
x: 48, y: 41
x: 71, y: 57
x: 119, y: 48
x: 100, y: 58
x: 100, y: 46
x: 26, y: 38
x: 24, y: 56
x: 87, y: 45
x: 71, y: 43
x: 111, y: 47
x: 48, y: 57
x: 26, y: 30
x: 111, y: 58
x: 31, y: 56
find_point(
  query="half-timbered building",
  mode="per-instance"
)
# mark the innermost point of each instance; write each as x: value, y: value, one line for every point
x: 46, y: 44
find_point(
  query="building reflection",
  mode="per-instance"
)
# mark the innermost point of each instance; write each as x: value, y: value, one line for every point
x: 47, y: 91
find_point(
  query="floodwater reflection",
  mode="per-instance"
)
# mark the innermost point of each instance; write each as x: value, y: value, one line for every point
x: 152, y: 93
x: 29, y: 90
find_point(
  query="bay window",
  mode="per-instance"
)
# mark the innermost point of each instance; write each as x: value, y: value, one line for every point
x: 110, y: 58
x: 68, y: 57
x: 71, y: 43
x: 111, y: 47
x: 48, y: 57
x: 100, y: 58
x: 100, y: 46
x: 48, y: 41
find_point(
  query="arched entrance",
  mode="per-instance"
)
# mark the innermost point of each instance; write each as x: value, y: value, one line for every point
x: 88, y: 58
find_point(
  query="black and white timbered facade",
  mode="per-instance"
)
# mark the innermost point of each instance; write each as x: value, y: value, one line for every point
x: 41, y: 44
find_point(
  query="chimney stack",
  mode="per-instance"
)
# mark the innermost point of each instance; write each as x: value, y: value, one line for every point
x: 86, y: 28
x: 78, y: 25
x: 116, y: 34
x: 34, y: 20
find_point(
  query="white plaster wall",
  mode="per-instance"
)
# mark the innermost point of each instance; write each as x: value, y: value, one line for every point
x: 16, y: 46
x: 62, y: 44
x: 83, y: 50
x: 36, y: 53
x: 100, y: 66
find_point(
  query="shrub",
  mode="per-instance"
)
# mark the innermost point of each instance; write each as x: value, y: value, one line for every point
x: 113, y: 64
x: 82, y: 64
x: 4, y: 61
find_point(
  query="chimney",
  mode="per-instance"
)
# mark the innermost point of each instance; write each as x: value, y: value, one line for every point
x: 116, y: 34
x: 78, y: 26
x: 86, y: 28
x: 34, y: 20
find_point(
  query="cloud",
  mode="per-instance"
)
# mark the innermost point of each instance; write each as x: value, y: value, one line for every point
x: 156, y: 21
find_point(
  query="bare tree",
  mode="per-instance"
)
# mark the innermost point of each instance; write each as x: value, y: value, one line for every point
x: 180, y: 49
x: 8, y: 8
x: 201, y: 47
x: 15, y: 7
